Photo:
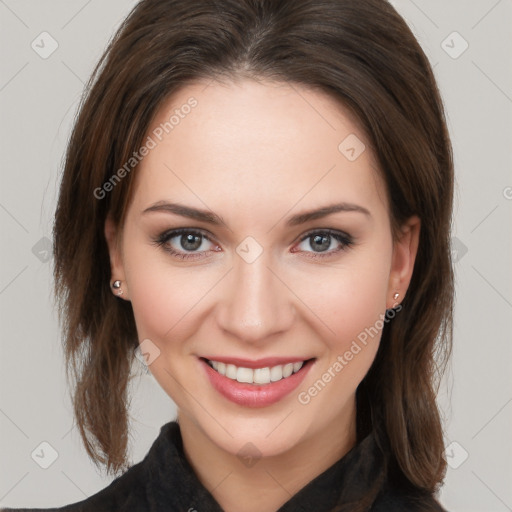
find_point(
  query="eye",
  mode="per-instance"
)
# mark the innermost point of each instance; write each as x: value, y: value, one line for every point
x: 325, y: 242
x: 189, y: 244
x: 184, y: 243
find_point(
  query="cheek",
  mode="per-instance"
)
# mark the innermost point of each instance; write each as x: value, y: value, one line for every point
x: 347, y: 301
x: 162, y: 296
x: 353, y: 306
x: 351, y: 301
x: 363, y: 302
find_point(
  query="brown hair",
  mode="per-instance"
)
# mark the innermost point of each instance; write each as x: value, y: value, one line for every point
x: 360, y: 52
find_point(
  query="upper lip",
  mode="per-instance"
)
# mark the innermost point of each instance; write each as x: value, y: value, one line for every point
x: 257, y: 363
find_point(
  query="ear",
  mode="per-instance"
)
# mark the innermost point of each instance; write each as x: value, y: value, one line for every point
x: 404, y: 256
x: 113, y: 238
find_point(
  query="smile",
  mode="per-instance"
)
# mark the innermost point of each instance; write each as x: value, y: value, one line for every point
x: 257, y: 375
x: 267, y: 382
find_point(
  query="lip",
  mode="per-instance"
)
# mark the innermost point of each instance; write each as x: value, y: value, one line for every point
x: 258, y: 363
x: 255, y: 395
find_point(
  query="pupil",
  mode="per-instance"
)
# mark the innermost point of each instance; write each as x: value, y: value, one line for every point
x: 188, y: 242
x: 321, y: 242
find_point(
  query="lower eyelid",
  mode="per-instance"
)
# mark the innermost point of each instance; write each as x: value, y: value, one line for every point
x: 163, y: 240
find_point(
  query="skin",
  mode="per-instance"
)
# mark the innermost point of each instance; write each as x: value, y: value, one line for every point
x: 256, y: 153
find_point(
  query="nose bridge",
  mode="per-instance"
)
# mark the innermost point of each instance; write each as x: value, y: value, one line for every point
x: 256, y: 304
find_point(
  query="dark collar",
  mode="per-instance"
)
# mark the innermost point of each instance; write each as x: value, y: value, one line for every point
x: 172, y: 482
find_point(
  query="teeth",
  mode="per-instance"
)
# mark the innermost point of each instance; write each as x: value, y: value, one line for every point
x: 261, y: 376
x: 276, y: 373
x: 231, y: 371
x: 258, y: 375
x: 245, y: 375
x: 287, y: 370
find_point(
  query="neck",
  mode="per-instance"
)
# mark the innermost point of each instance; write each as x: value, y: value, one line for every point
x: 271, y: 481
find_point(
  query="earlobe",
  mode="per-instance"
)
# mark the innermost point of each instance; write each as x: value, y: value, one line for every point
x: 117, y: 281
x: 404, y: 256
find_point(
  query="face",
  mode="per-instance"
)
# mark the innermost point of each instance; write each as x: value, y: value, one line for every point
x: 258, y: 236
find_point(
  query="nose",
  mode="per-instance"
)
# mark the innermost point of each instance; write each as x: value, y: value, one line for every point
x: 256, y: 305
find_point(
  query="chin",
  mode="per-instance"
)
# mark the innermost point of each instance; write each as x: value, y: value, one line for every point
x: 266, y: 437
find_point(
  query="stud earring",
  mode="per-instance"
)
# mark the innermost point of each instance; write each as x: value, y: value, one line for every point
x: 117, y: 286
x: 396, y: 296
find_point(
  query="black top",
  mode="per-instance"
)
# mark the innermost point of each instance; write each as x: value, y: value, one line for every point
x: 165, y: 481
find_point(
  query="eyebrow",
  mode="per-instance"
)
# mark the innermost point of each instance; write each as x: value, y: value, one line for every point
x: 216, y: 220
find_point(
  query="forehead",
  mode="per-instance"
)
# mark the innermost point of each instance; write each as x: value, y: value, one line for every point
x: 253, y: 143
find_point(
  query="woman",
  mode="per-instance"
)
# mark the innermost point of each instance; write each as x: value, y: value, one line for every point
x: 257, y: 200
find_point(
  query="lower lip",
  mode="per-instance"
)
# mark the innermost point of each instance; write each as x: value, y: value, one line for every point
x: 255, y: 395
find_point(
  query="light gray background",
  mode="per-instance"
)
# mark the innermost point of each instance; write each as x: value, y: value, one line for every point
x: 38, y: 99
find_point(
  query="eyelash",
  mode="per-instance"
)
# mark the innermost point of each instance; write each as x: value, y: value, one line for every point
x: 161, y: 240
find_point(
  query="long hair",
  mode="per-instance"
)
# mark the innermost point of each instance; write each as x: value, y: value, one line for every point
x: 361, y: 53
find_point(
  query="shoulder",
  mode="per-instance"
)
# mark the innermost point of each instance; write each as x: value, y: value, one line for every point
x: 125, y: 493
x: 392, y: 499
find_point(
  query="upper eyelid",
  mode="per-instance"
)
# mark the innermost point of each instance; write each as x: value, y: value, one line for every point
x: 172, y: 233
x: 175, y: 232
x: 329, y: 231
